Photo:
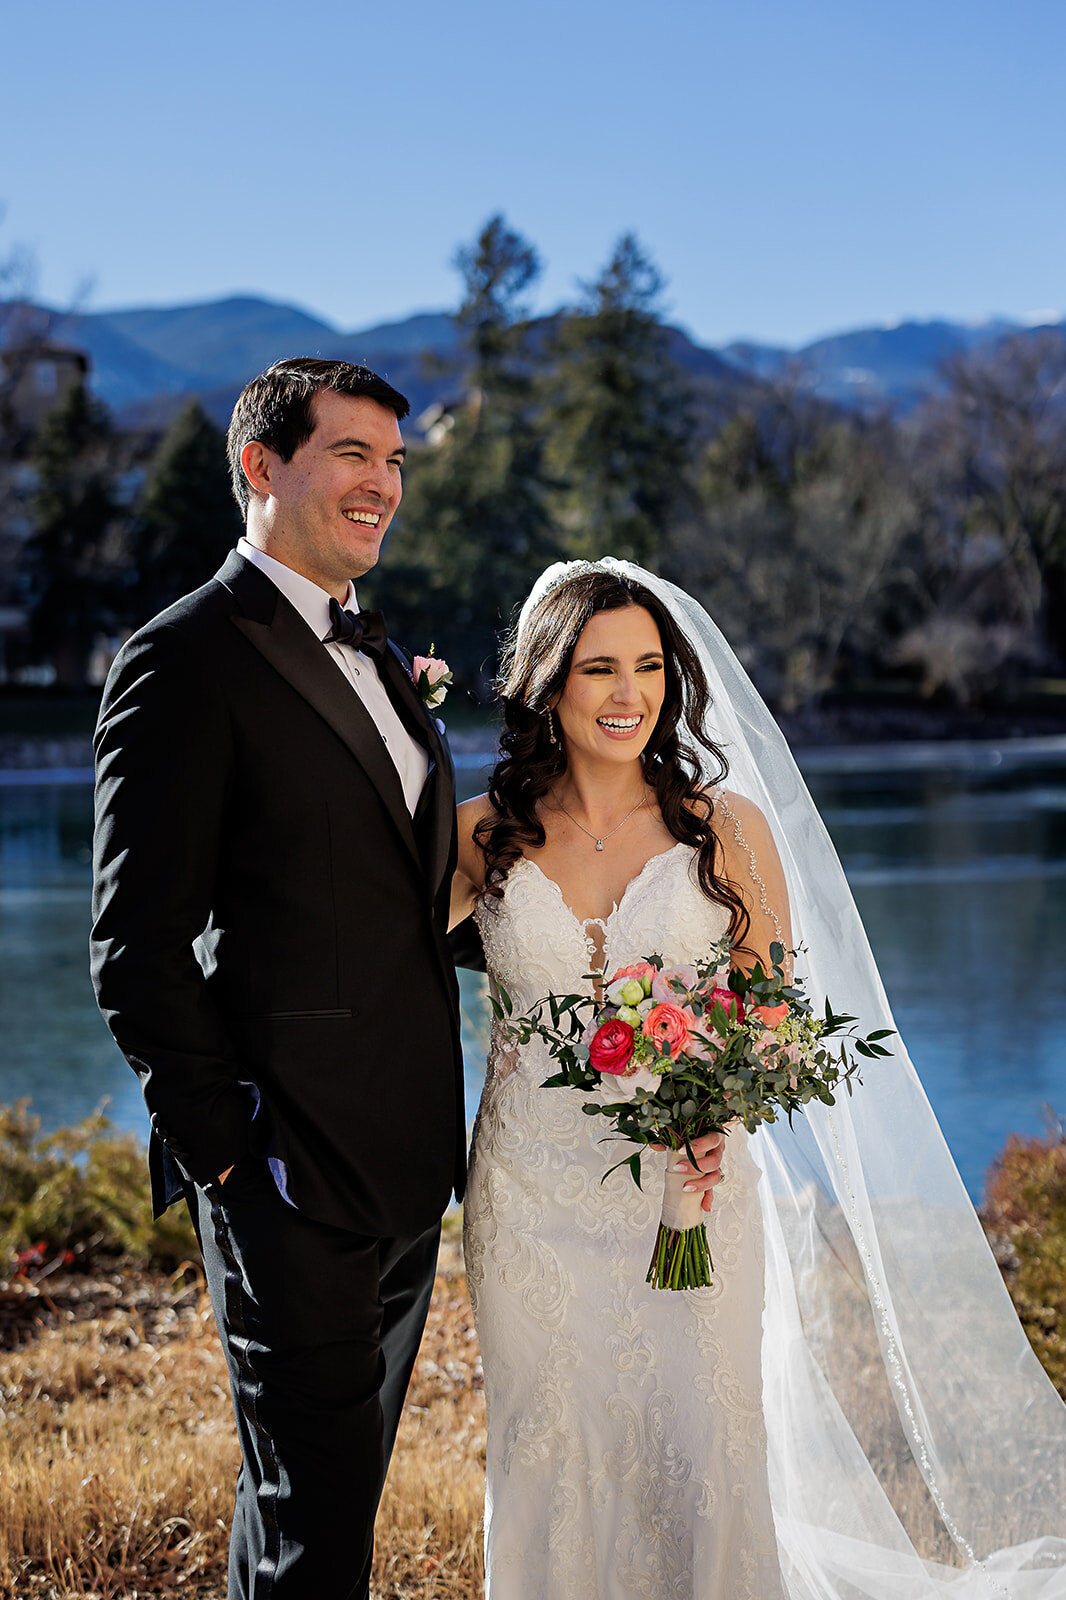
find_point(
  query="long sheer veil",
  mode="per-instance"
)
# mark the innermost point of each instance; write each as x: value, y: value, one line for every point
x: 916, y: 1447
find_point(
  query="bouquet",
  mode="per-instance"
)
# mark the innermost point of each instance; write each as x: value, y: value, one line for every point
x: 683, y: 1051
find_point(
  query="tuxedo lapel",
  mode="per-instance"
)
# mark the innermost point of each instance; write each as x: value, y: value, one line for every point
x: 280, y: 634
x: 435, y: 812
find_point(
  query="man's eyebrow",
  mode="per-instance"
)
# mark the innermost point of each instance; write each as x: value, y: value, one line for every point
x: 612, y: 661
x: 361, y: 444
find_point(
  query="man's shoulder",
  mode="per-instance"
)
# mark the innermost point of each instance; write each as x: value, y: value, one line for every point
x: 183, y: 631
x: 194, y: 613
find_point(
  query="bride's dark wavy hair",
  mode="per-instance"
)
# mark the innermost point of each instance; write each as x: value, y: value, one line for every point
x: 535, y: 668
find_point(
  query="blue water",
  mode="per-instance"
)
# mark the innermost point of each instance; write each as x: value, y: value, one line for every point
x: 959, y: 872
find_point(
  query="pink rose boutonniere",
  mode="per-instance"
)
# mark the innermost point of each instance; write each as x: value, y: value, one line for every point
x: 433, y: 678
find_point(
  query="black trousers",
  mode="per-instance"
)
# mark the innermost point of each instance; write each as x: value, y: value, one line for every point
x: 321, y: 1328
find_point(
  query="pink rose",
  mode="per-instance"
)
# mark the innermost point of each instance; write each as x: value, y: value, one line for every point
x: 770, y: 1016
x: 701, y: 1036
x: 731, y: 1003
x: 667, y: 1028
x: 611, y: 1049
x: 674, y: 982
x: 433, y: 666
x: 432, y: 676
x: 638, y: 969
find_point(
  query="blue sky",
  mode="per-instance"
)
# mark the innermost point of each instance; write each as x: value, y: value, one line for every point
x: 794, y: 166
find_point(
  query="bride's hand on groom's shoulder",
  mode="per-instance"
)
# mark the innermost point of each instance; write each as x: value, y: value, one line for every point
x: 708, y: 1150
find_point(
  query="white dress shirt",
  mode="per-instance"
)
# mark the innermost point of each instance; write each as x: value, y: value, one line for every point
x: 408, y: 756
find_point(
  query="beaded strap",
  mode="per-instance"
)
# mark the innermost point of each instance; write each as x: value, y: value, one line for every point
x: 720, y: 805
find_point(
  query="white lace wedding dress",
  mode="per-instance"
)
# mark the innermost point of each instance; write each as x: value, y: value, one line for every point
x: 626, y: 1443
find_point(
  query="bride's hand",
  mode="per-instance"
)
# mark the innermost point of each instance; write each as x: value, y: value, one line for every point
x: 708, y: 1151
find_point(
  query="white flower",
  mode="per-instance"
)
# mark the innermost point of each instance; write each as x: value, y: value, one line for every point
x: 625, y: 1086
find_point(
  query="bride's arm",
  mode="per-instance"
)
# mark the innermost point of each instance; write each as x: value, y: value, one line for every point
x: 754, y: 868
x: 469, y: 877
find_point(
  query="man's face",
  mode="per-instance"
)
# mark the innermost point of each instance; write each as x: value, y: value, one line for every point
x: 326, y: 511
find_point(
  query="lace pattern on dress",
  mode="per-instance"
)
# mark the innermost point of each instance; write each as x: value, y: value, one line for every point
x: 625, y: 1437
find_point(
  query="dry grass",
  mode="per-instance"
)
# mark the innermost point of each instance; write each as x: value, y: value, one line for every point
x: 118, y: 1451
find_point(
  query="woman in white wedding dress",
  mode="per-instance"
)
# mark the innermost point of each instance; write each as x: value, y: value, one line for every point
x: 739, y: 1442
x: 627, y: 1454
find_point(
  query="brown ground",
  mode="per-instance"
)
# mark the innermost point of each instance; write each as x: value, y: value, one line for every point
x: 118, y: 1450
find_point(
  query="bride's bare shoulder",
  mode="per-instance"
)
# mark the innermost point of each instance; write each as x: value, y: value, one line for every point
x: 738, y: 811
x: 732, y: 816
x: 470, y: 812
x: 752, y: 864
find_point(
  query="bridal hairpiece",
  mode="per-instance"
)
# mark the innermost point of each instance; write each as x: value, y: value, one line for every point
x: 558, y: 573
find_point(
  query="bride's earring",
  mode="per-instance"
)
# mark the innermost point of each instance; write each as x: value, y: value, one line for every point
x: 551, y: 728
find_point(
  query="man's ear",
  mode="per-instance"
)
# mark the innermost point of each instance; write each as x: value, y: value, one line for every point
x: 258, y: 462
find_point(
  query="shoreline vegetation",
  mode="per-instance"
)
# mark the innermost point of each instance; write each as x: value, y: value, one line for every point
x: 117, y: 1446
x: 64, y: 744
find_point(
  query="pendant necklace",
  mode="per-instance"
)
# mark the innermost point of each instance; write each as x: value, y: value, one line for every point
x: 601, y: 842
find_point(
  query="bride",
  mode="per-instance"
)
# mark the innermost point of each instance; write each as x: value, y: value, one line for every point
x: 851, y: 1409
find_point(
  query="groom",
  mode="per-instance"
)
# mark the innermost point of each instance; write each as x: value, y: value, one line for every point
x: 272, y: 791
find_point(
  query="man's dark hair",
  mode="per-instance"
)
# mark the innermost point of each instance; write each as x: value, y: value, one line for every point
x: 275, y: 408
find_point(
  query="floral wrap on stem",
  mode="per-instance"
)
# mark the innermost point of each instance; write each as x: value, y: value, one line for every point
x: 679, y: 1052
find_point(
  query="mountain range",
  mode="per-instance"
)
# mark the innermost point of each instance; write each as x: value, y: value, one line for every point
x: 146, y: 362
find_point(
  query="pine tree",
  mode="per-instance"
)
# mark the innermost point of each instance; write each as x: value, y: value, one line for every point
x: 187, y: 515
x: 621, y: 420
x: 476, y: 527
x: 72, y: 559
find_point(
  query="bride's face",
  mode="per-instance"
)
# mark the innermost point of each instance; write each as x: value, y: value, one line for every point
x: 614, y: 691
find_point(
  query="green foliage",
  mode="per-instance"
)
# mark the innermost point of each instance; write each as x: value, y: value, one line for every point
x: 619, y: 418
x: 82, y: 1190
x: 476, y: 526
x: 804, y: 518
x: 187, y: 515
x: 73, y: 558
x: 835, y: 548
x: 1026, y: 1204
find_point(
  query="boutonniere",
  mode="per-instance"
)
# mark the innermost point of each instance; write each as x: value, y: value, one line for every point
x: 433, y: 678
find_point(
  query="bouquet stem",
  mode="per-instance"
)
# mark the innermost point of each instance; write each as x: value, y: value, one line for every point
x: 681, y: 1258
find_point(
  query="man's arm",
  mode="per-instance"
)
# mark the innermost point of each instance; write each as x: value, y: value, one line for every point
x: 164, y: 761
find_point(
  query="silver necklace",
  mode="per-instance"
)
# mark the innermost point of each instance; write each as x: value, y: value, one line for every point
x: 600, y: 842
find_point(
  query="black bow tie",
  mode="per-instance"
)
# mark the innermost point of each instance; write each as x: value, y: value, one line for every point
x: 363, y: 630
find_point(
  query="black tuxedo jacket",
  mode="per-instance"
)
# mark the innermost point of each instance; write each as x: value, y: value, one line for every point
x: 247, y: 805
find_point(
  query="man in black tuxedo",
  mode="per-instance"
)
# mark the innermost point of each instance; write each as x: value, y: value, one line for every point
x: 274, y: 843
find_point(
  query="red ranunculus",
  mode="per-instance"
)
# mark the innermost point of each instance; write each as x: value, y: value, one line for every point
x: 611, y: 1049
x: 731, y: 1003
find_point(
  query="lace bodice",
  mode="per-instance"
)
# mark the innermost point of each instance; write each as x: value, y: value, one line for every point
x: 534, y: 942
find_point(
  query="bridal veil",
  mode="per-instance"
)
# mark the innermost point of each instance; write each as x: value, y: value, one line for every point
x: 916, y: 1446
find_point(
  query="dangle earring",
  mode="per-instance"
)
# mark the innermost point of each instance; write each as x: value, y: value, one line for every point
x: 551, y: 728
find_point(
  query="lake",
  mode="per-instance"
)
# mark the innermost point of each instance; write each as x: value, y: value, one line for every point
x: 957, y: 855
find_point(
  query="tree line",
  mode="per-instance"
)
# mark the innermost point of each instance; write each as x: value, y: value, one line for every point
x: 835, y: 549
